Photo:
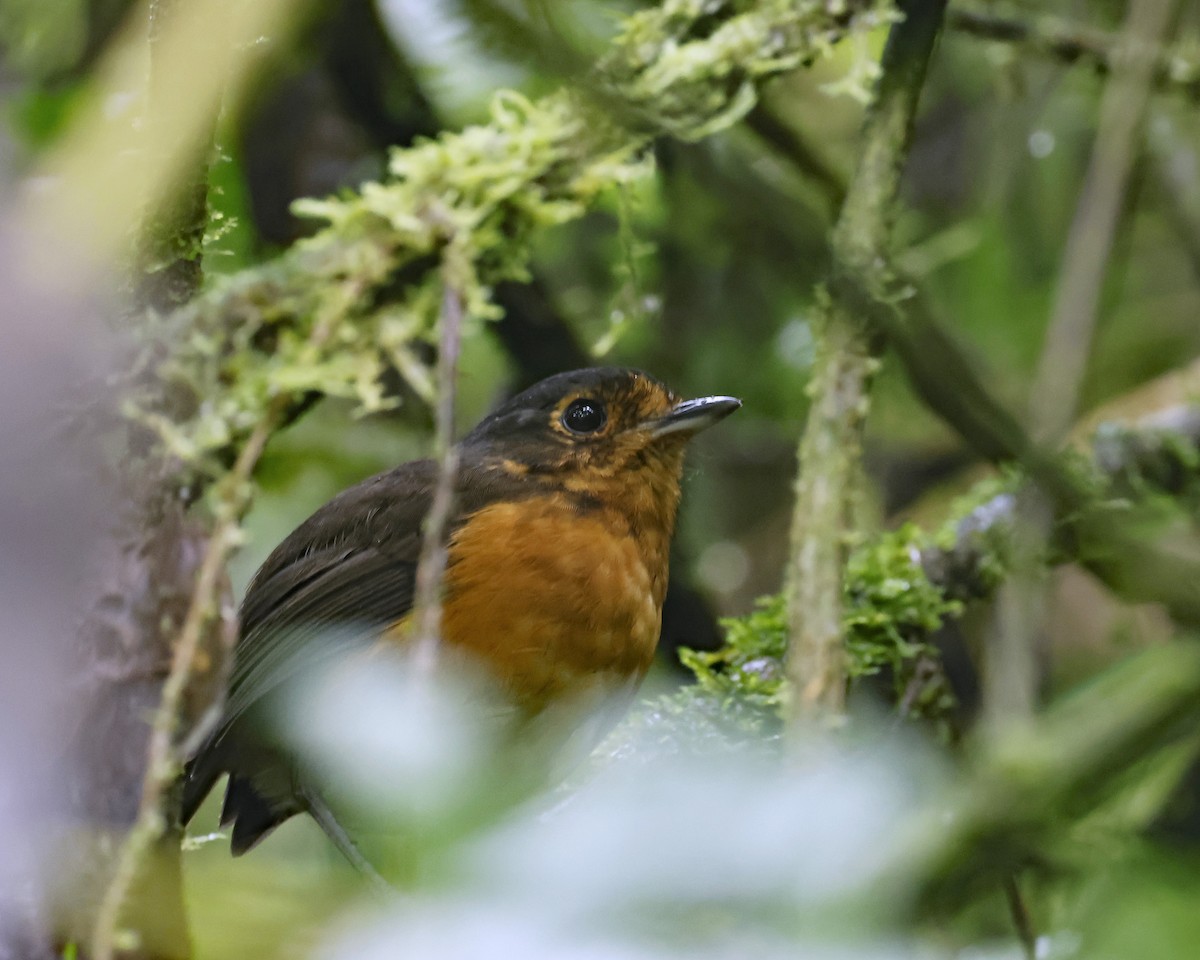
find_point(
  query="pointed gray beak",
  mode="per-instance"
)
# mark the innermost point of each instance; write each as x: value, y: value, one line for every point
x: 692, y: 416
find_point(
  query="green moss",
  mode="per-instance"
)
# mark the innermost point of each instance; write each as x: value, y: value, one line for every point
x: 332, y: 313
x: 902, y: 586
x: 359, y: 296
x: 891, y: 610
x: 692, y: 67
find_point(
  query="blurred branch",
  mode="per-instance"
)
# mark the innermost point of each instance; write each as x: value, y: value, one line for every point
x: 830, y: 449
x: 1176, y: 164
x: 1071, y: 43
x: 1077, y: 298
x: 1011, y: 671
x: 1023, y: 786
x: 788, y: 141
x: 431, y: 566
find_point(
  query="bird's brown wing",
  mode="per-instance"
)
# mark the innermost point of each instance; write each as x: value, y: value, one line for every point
x: 334, y: 585
x: 337, y: 581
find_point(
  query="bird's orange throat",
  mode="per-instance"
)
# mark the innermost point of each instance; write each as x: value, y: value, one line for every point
x: 579, y: 601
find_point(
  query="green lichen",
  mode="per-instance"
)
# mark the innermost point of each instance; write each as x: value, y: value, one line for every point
x: 330, y: 315
x: 691, y: 67
x: 363, y: 293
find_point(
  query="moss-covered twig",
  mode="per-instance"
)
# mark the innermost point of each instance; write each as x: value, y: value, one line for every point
x: 229, y: 500
x: 830, y: 448
x: 165, y: 759
x: 1177, y: 69
x: 900, y: 588
x: 687, y: 68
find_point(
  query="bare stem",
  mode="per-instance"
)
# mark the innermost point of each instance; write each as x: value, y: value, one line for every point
x: 830, y: 455
x: 1097, y: 214
x: 431, y: 567
x: 1011, y: 668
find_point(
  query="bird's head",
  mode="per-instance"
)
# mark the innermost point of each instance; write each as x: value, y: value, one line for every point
x: 596, y: 430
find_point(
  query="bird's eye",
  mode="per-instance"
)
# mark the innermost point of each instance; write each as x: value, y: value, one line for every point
x: 584, y: 416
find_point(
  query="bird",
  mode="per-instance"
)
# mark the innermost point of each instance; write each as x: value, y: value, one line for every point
x: 564, y: 504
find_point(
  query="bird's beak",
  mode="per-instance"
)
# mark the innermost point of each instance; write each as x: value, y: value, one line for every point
x: 692, y: 416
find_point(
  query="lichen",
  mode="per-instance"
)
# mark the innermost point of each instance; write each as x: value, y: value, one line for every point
x: 691, y: 67
x: 364, y: 292
x: 369, y: 278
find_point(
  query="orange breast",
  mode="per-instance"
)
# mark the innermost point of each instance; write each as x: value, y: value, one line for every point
x: 551, y: 601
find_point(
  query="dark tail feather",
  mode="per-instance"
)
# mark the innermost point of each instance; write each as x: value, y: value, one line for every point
x: 198, y: 780
x: 252, y: 815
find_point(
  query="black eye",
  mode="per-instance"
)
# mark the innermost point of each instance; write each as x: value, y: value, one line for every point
x: 584, y: 416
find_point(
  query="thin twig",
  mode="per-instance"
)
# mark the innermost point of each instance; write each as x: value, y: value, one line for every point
x: 1011, y: 659
x: 830, y: 454
x: 1075, y: 43
x: 1097, y: 214
x: 1019, y: 912
x: 431, y: 567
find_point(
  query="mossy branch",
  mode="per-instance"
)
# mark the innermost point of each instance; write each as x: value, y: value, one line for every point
x: 902, y: 587
x: 1129, y: 550
x: 830, y: 451
x: 687, y: 68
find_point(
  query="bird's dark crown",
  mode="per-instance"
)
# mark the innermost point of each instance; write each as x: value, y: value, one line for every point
x: 611, y: 406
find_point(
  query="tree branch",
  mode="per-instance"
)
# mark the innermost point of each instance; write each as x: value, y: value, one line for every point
x: 1023, y: 785
x: 830, y: 448
x: 1011, y: 662
x: 431, y: 565
x: 1073, y: 43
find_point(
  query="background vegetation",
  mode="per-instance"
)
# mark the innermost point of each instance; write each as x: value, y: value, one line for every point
x: 936, y: 693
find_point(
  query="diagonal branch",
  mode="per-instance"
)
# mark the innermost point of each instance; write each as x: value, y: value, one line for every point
x: 1075, y: 43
